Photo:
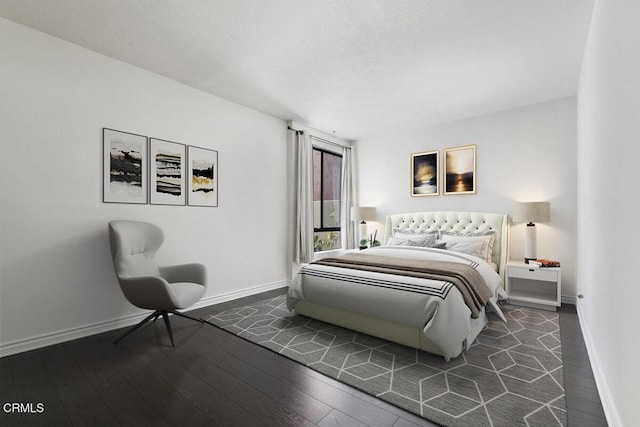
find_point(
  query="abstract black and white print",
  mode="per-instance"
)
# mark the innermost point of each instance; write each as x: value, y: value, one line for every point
x: 167, y: 172
x: 125, y: 168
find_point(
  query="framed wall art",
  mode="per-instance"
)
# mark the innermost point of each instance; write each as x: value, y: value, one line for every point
x: 202, y: 177
x: 424, y: 173
x: 459, y: 170
x: 124, y: 167
x: 167, y: 172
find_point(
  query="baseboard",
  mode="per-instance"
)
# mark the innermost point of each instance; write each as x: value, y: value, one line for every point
x: 568, y: 299
x: 217, y: 299
x: 45, y: 340
x: 609, y: 407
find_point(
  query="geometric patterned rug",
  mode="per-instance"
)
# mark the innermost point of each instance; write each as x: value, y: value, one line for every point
x: 511, y: 376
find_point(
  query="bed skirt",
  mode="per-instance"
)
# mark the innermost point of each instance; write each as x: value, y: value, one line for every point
x: 395, y: 332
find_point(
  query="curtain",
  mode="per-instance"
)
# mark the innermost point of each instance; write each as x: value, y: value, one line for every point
x: 347, y: 196
x: 304, y: 198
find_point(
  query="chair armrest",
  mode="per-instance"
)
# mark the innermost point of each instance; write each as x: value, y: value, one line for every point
x: 192, y: 273
x: 148, y: 292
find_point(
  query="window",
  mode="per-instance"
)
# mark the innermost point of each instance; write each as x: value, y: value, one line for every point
x: 327, y: 175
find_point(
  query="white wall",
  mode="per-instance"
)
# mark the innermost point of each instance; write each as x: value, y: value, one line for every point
x: 526, y: 154
x: 609, y: 202
x: 55, y: 270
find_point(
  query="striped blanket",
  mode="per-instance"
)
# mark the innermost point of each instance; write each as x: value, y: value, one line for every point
x: 465, y: 277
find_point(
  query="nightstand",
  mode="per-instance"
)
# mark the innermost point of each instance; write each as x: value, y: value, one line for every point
x: 533, y: 287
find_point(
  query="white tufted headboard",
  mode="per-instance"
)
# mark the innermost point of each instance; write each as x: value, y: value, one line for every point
x: 469, y: 222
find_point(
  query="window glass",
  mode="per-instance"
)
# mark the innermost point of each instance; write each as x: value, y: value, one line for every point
x: 327, y: 175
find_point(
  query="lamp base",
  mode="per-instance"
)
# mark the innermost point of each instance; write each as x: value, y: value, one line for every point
x: 363, y: 230
x: 530, y: 243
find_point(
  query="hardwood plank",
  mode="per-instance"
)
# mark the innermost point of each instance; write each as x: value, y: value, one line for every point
x: 299, y: 402
x: 32, y: 385
x: 573, y: 381
x: 585, y: 406
x: 580, y: 371
x: 127, y: 404
x: 590, y: 394
x: 580, y: 419
x: 7, y: 394
x: 338, y: 419
x: 406, y: 423
x: 207, y: 400
x: 139, y: 371
x: 319, y: 386
x: 76, y: 392
x: 269, y: 411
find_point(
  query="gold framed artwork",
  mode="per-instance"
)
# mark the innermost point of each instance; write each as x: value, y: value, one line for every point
x: 202, y: 177
x: 459, y: 171
x: 425, y: 173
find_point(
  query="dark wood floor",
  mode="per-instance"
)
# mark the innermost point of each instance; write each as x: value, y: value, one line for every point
x: 213, y: 378
x: 583, y: 402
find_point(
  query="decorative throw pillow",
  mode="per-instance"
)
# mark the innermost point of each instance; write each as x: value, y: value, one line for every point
x: 468, y: 245
x: 397, y: 241
x: 427, y: 239
x: 489, y: 237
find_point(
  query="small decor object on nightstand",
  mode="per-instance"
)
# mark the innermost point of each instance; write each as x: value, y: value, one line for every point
x: 371, y: 242
x: 544, y: 263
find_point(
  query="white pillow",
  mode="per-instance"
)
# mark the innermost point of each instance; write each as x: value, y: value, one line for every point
x: 489, y: 237
x: 421, y: 239
x: 399, y: 241
x: 476, y: 245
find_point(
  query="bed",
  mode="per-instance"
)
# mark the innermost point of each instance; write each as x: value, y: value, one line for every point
x: 413, y: 308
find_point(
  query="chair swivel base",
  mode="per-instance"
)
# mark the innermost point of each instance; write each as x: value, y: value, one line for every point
x: 165, y: 315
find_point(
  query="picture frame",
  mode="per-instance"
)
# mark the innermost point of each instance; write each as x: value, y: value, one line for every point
x: 202, y: 177
x: 459, y: 171
x: 167, y: 172
x: 425, y: 177
x: 125, y: 174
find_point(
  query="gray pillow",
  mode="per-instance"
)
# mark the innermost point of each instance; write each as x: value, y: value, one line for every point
x: 426, y: 240
x: 487, y: 251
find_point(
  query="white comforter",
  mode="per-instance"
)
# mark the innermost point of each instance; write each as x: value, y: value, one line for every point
x: 436, y: 307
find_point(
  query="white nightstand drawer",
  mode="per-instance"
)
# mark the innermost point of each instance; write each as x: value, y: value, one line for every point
x: 534, y: 274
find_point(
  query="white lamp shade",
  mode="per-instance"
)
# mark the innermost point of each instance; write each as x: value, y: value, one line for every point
x: 362, y: 213
x: 531, y: 212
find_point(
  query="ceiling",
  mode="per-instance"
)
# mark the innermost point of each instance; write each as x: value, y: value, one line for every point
x: 353, y: 67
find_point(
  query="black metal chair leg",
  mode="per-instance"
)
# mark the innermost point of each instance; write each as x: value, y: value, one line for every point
x: 167, y: 322
x: 130, y: 330
x: 154, y: 316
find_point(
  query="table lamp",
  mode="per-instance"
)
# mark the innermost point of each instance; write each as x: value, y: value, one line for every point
x: 531, y: 212
x: 363, y: 214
